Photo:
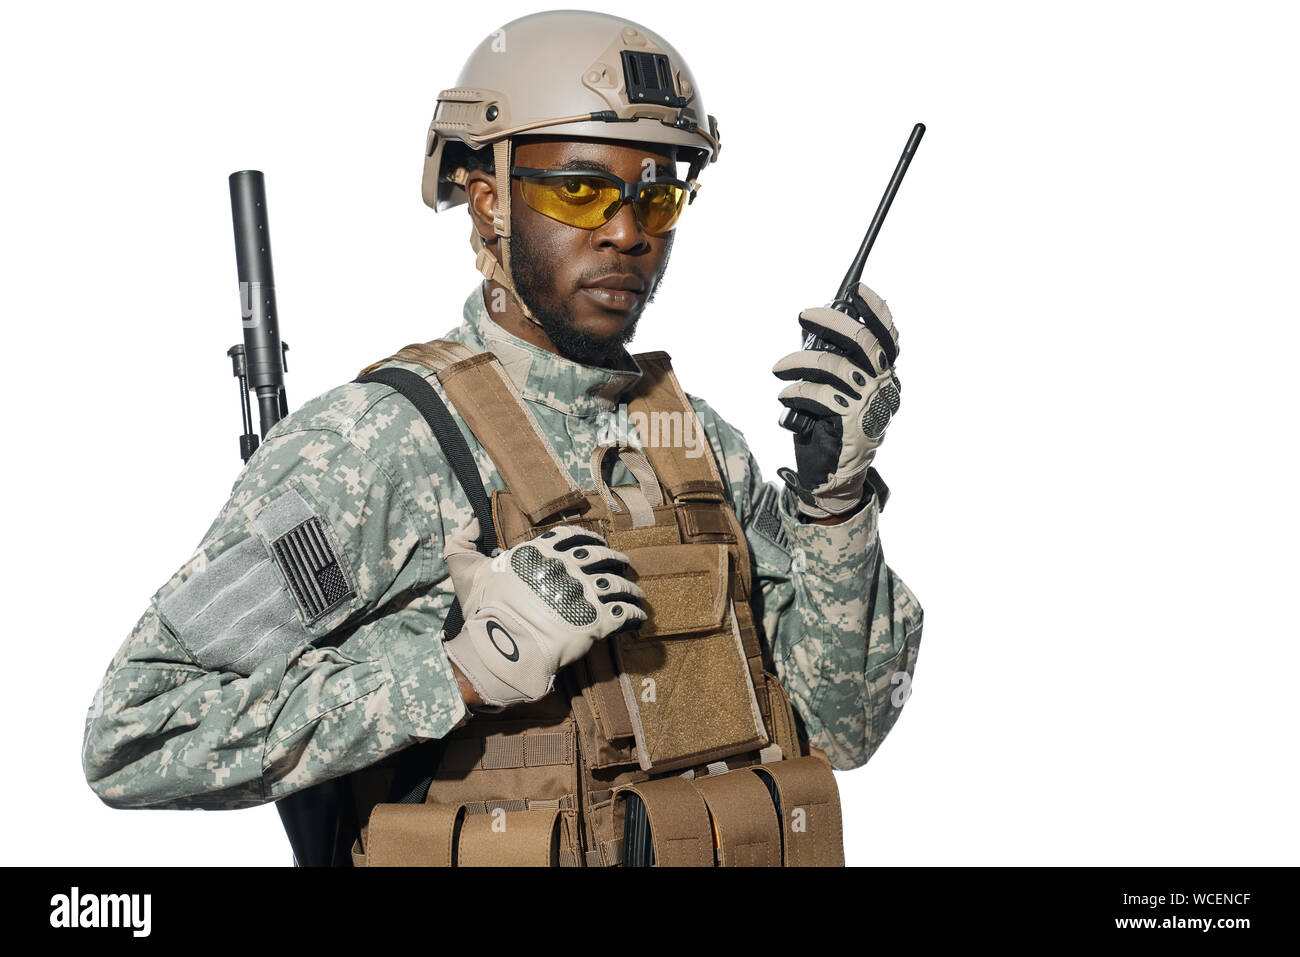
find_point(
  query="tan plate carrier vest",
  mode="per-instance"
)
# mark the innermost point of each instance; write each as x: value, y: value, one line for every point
x: 683, y: 712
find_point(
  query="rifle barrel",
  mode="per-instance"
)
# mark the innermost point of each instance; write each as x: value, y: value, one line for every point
x: 263, y: 350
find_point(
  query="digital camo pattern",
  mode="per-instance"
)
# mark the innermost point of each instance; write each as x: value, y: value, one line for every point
x: 843, y: 628
x: 164, y: 732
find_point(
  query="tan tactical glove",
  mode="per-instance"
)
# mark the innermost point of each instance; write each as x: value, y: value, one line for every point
x: 852, y: 397
x: 535, y: 608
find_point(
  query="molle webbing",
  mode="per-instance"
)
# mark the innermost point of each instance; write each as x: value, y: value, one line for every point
x: 486, y: 399
x: 511, y: 749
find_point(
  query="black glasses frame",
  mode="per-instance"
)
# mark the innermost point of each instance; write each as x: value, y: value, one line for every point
x: 626, y: 191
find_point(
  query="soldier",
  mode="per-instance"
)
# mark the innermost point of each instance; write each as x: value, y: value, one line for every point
x: 578, y: 603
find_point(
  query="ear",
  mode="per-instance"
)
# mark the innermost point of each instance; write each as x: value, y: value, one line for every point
x: 481, y: 189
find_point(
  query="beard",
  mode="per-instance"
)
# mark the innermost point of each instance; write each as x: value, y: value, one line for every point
x: 530, y: 274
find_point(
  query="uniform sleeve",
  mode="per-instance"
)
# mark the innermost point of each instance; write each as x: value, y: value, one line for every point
x: 842, y: 628
x: 288, y: 650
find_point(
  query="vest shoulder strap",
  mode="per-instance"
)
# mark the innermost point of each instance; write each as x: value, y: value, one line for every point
x: 487, y: 400
x: 659, y: 398
x: 435, y: 354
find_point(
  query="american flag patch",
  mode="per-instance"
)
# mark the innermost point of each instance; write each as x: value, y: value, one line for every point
x: 767, y: 518
x: 312, y: 569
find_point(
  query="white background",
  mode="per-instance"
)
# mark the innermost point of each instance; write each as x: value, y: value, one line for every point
x: 1092, y: 264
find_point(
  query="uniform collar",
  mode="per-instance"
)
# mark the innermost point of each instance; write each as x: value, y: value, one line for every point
x: 541, y: 376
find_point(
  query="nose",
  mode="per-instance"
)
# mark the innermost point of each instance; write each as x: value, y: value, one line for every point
x: 622, y: 233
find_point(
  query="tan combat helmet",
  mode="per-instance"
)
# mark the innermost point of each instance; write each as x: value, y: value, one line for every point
x: 560, y: 72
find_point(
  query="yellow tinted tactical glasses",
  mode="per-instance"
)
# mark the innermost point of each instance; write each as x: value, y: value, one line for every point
x: 589, y: 199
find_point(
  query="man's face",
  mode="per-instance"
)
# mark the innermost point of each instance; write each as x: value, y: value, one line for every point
x: 572, y: 278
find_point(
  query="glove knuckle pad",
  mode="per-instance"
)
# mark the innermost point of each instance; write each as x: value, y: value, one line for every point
x: 879, y: 411
x: 550, y: 580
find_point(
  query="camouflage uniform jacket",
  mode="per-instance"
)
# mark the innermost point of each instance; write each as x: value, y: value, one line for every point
x: 301, y: 641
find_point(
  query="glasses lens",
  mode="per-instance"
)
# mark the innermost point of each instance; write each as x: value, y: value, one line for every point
x: 590, y: 201
x: 659, y: 207
x: 582, y: 201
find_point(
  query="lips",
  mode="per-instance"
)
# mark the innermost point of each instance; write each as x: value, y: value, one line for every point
x: 620, y: 292
x: 620, y: 300
x: 620, y: 282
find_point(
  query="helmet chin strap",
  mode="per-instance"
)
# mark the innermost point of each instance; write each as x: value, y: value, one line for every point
x: 487, y: 263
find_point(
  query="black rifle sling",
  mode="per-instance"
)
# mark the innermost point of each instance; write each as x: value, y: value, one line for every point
x: 414, y: 774
x: 429, y: 404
